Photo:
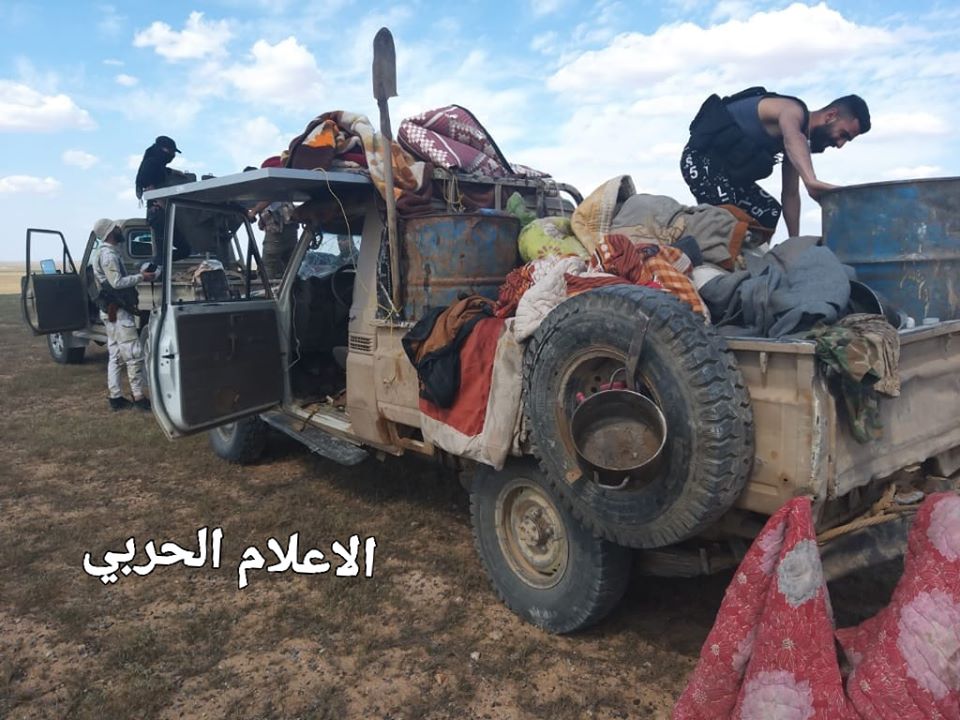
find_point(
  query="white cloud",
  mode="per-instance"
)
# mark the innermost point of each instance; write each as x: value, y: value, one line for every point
x: 544, y: 42
x: 914, y: 171
x: 284, y: 74
x: 114, y: 62
x: 24, y: 109
x: 779, y: 41
x: 731, y: 10
x: 28, y: 184
x: 605, y: 22
x: 252, y: 141
x: 177, y: 110
x: 111, y: 22
x: 893, y: 125
x: 545, y: 7
x: 126, y: 80
x: 199, y: 38
x: 79, y: 158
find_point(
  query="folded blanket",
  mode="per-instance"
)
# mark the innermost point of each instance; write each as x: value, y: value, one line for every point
x: 342, y: 134
x: 788, y: 290
x: 452, y: 138
x: 483, y: 420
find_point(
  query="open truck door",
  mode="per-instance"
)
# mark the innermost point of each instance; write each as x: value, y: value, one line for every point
x: 52, y: 300
x: 218, y: 357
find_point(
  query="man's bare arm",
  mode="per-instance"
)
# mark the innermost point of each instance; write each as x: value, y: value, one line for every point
x: 790, y: 198
x: 797, y: 150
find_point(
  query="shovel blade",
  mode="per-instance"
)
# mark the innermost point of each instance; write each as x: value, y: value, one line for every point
x: 384, y: 66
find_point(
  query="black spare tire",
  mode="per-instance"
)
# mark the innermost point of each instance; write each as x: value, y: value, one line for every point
x: 685, y: 368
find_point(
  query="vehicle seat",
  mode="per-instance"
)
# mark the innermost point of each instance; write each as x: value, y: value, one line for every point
x: 215, y: 285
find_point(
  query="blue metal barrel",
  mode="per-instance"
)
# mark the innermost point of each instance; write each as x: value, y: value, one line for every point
x: 903, y: 239
x: 445, y: 255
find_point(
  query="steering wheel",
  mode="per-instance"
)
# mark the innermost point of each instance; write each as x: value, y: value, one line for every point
x: 344, y: 276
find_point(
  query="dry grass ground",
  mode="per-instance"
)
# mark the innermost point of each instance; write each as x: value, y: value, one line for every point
x: 10, y: 274
x: 424, y: 638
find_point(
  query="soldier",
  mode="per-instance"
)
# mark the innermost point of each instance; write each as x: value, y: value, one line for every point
x: 152, y: 174
x: 119, y: 302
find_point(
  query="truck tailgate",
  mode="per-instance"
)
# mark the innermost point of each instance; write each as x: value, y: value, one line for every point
x: 803, y: 444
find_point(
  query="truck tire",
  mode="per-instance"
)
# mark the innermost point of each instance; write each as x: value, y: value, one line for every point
x: 686, y: 368
x: 241, y: 442
x: 544, y: 565
x: 61, y: 352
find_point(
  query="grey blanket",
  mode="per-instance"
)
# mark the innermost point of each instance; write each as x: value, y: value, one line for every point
x: 788, y: 290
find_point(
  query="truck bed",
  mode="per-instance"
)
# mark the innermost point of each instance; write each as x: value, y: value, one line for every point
x: 803, y: 444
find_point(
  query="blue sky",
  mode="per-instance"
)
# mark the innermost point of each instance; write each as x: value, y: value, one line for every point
x: 584, y: 91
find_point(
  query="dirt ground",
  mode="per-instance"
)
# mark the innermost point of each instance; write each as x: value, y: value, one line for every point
x: 425, y: 637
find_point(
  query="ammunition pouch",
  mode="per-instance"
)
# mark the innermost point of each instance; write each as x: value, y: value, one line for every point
x: 125, y: 299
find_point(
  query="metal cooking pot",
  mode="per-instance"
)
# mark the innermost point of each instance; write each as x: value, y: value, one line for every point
x: 619, y: 436
x: 864, y: 299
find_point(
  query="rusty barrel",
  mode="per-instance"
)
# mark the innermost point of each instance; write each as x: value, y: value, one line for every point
x: 448, y: 254
x: 903, y: 239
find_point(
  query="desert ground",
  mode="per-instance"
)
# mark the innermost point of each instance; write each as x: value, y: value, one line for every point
x: 425, y: 637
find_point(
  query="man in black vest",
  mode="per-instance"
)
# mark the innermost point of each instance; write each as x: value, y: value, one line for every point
x: 737, y: 140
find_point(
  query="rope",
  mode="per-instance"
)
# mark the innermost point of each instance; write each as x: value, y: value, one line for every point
x: 452, y: 195
x: 883, y: 510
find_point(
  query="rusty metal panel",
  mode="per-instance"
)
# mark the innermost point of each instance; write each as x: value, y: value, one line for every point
x: 445, y: 255
x: 394, y: 376
x: 920, y: 424
x: 790, y: 425
x: 903, y: 239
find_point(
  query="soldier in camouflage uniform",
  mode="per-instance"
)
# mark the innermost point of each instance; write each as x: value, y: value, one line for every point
x: 280, y: 235
x: 118, y: 305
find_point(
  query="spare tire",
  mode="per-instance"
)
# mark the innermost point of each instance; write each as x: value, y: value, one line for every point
x: 686, y: 368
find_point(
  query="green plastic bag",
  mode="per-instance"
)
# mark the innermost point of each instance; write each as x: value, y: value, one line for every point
x: 518, y: 208
x: 549, y: 236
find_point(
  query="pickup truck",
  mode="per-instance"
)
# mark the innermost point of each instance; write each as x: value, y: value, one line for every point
x: 750, y: 423
x: 60, y: 301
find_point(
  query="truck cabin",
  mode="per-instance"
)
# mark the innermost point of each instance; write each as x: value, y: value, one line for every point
x: 325, y: 290
x: 316, y: 291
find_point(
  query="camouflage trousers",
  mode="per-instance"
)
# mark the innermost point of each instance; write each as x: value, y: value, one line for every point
x: 123, y: 347
x: 277, y: 248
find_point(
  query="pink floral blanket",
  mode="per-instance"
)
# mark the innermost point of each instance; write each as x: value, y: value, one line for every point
x: 771, y: 652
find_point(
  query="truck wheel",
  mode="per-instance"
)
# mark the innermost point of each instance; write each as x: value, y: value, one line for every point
x: 686, y: 368
x: 61, y: 352
x: 240, y: 442
x: 545, y: 566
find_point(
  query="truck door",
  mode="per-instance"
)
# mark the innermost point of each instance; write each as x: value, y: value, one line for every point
x: 213, y: 351
x: 52, y: 298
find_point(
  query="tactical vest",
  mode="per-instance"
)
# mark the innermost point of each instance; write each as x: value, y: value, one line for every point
x: 125, y: 298
x: 715, y: 132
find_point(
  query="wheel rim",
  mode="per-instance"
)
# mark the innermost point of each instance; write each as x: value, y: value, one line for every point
x: 532, y: 535
x: 56, y: 343
x: 585, y: 372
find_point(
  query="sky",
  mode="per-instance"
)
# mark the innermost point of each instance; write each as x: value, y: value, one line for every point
x: 584, y: 91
